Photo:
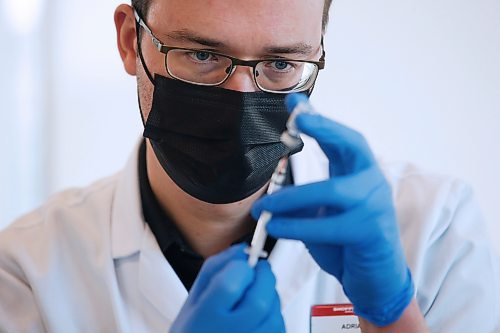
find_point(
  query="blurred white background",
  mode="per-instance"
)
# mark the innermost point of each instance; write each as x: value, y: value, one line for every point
x: 421, y: 80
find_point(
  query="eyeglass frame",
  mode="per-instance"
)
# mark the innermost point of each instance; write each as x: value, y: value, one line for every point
x: 234, y: 61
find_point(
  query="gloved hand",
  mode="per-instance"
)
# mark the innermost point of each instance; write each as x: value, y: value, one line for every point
x: 348, y: 222
x: 229, y: 296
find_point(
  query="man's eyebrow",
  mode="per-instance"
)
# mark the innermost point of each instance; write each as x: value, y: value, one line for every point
x: 298, y: 48
x: 185, y: 35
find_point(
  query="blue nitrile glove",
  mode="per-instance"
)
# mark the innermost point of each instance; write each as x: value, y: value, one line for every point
x: 348, y: 222
x: 229, y: 296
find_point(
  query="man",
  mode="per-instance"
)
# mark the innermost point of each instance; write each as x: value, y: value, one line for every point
x: 123, y: 254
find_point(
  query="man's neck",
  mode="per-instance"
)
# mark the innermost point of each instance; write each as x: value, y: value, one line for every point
x: 208, y: 228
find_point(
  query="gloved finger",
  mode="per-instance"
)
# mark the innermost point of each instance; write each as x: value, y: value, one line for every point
x: 260, y: 295
x: 347, y: 228
x: 346, y: 149
x: 341, y: 192
x: 228, y: 286
x: 213, y: 265
x: 274, y: 321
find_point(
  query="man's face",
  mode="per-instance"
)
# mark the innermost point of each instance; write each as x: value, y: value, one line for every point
x: 256, y: 29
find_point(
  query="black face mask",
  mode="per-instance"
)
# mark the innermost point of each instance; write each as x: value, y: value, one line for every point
x: 218, y: 145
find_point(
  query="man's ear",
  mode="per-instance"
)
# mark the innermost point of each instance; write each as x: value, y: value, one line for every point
x: 126, y: 37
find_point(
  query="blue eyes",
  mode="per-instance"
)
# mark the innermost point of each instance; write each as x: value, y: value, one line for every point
x: 280, y: 65
x: 206, y: 58
x: 202, y: 55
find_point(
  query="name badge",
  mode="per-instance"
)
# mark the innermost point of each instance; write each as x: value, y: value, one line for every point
x: 334, y: 318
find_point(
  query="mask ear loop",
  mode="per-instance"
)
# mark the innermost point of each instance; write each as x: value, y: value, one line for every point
x: 148, y: 73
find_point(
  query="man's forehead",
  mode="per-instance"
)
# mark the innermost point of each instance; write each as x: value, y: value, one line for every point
x: 263, y: 22
x: 263, y: 6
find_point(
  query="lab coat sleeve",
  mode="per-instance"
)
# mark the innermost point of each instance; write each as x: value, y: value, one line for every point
x: 459, y: 282
x: 18, y: 308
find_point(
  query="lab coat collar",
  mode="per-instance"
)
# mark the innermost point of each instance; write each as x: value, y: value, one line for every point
x: 127, y: 221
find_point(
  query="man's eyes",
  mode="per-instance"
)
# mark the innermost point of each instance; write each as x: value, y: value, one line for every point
x: 201, y: 56
x: 205, y: 57
x: 280, y: 65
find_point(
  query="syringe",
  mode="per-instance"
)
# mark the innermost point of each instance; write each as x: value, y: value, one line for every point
x: 256, y: 249
x: 299, y: 104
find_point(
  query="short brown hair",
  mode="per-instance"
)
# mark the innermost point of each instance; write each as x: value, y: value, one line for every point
x: 142, y: 7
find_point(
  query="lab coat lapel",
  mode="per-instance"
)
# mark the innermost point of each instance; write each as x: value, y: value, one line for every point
x: 157, y: 280
x: 127, y: 222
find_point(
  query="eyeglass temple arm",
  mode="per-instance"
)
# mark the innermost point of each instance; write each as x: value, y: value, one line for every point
x: 141, y: 22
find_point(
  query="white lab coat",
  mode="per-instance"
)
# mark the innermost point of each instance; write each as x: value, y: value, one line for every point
x: 87, y: 262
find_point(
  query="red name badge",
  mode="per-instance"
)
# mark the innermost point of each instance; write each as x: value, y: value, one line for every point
x: 334, y: 318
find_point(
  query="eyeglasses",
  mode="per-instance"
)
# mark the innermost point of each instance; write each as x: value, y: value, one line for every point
x: 207, y: 68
